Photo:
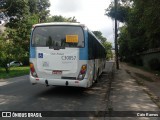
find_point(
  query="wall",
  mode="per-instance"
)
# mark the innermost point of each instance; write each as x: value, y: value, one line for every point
x: 149, y: 55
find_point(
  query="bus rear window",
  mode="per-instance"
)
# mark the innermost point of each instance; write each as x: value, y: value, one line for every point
x: 58, y: 36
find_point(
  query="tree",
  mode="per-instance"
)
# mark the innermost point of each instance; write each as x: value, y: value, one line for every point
x: 124, y: 50
x: 7, y: 52
x: 5, y: 5
x: 18, y: 8
x: 15, y: 43
x: 122, y: 12
x: 98, y: 34
x: 108, y: 48
x: 140, y: 31
x: 39, y: 7
x: 33, y: 6
x: 59, y: 18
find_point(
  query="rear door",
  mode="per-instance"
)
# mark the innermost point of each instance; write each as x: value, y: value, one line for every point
x: 57, y: 50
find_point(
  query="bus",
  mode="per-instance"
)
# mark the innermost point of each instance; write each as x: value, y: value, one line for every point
x: 65, y: 54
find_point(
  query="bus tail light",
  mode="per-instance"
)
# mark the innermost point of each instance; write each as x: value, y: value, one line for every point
x: 32, y: 69
x: 82, y: 72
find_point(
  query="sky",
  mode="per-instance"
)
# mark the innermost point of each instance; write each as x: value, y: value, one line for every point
x: 88, y: 12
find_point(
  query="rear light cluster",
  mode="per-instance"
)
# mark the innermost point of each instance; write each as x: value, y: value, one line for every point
x: 32, y: 69
x: 82, y: 72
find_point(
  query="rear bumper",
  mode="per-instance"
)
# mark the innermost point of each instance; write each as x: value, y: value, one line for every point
x: 59, y: 82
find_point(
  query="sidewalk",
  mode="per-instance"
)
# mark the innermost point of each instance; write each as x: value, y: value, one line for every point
x: 149, y: 80
x: 127, y: 95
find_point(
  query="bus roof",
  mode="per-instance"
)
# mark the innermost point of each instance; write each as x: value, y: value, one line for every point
x: 58, y: 23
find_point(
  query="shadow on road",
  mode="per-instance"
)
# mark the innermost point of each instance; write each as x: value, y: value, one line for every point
x: 62, y: 91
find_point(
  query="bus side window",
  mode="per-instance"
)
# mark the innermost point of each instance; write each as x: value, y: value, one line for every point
x: 90, y: 46
x: 96, y: 49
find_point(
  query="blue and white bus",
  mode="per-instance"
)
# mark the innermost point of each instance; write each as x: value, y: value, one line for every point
x: 65, y: 54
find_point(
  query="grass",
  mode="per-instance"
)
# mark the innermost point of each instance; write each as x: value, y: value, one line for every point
x: 14, y: 72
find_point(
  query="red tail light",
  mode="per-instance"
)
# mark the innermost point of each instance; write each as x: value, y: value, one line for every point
x: 32, y: 69
x: 82, y: 72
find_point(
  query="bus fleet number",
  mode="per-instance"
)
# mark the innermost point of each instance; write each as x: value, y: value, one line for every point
x: 68, y: 57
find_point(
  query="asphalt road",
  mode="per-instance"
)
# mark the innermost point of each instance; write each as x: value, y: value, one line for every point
x: 20, y: 95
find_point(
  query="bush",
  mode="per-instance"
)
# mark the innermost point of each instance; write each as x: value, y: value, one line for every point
x: 154, y: 64
x: 136, y: 60
x: 25, y: 61
x: 139, y: 61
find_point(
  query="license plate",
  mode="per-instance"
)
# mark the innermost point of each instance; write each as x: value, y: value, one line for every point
x: 57, y: 72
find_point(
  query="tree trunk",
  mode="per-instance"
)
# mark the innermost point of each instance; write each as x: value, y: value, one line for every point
x: 7, y: 69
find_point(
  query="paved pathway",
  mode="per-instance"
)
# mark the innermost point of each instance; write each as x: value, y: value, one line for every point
x: 127, y: 95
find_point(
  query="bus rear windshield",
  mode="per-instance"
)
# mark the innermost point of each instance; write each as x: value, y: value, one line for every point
x: 58, y: 36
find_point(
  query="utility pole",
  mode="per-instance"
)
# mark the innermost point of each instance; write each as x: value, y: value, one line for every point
x: 116, y: 44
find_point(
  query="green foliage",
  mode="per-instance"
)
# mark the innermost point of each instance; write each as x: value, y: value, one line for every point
x: 20, y: 34
x: 14, y: 45
x: 122, y: 12
x: 43, y: 10
x: 33, y: 6
x: 14, y: 72
x: 4, y: 5
x: 59, y: 18
x: 108, y: 48
x: 15, y: 41
x: 40, y: 8
x: 140, y: 31
x: 18, y: 8
x: 7, y: 52
x: 98, y: 34
x: 25, y: 60
x: 154, y: 64
x: 143, y: 23
x: 123, y: 42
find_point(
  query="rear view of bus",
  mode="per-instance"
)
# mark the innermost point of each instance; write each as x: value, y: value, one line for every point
x: 58, y: 54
